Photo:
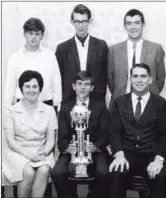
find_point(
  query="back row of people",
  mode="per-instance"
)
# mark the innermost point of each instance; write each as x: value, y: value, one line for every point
x: 85, y: 52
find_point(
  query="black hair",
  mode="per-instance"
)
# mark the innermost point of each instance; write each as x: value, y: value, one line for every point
x: 34, y: 24
x: 134, y: 12
x: 81, y: 9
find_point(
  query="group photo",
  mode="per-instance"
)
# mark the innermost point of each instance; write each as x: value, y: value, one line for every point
x: 83, y: 100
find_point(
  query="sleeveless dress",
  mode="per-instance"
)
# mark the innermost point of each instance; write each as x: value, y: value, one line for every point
x: 31, y: 134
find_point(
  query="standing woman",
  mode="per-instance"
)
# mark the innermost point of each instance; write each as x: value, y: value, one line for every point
x: 30, y: 131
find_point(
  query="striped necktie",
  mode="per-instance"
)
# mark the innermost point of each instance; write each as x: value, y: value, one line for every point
x: 138, y: 109
x: 134, y: 51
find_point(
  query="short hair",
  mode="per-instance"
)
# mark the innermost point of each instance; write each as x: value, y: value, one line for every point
x: 134, y: 12
x: 28, y: 75
x: 84, y: 75
x: 81, y: 9
x: 141, y: 65
x: 34, y: 24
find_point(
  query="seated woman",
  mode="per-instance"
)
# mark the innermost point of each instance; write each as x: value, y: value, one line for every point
x: 30, y: 131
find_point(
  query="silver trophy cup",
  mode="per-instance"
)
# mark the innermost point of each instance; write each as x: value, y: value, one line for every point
x: 80, y: 118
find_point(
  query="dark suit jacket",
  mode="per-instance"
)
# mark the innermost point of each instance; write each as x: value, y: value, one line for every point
x: 69, y: 64
x: 97, y: 127
x: 152, y: 54
x: 148, y: 135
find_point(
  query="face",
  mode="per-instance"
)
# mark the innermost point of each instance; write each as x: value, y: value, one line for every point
x: 134, y: 27
x: 81, y: 24
x: 83, y: 89
x: 140, y: 81
x: 33, y: 39
x: 31, y: 90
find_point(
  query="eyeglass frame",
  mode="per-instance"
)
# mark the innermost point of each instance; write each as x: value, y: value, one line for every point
x: 83, y: 22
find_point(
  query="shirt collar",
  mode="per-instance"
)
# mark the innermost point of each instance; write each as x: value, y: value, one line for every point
x: 145, y: 97
x: 130, y: 43
x: 39, y: 50
x: 86, y: 102
x: 79, y: 43
x: 20, y: 109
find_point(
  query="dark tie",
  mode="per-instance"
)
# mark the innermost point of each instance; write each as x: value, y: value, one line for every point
x: 83, y: 103
x: 82, y: 39
x: 138, y: 109
x: 134, y: 51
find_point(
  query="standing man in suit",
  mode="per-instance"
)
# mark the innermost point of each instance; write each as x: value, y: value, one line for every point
x: 137, y: 136
x: 97, y: 130
x: 135, y: 49
x: 83, y: 52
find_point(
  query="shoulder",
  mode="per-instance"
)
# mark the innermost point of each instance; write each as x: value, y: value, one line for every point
x: 98, y: 105
x: 99, y: 41
x: 64, y: 44
x: 67, y: 107
x: 152, y: 44
x: 118, y: 45
x: 122, y: 99
x: 16, y: 55
x: 47, y: 109
x: 158, y: 100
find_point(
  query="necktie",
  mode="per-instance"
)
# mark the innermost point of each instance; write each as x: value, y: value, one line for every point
x: 82, y: 39
x: 138, y: 109
x: 83, y: 104
x: 134, y: 51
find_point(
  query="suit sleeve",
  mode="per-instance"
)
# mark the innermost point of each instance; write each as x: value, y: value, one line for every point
x: 102, y: 141
x: 160, y: 71
x: 161, y: 149
x: 115, y: 132
x: 63, y: 137
x: 110, y: 70
x: 60, y: 58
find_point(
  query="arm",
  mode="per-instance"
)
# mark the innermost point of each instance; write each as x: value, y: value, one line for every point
x: 56, y: 83
x: 10, y: 136
x: 115, y: 131
x: 63, y: 137
x: 10, y: 86
x: 156, y: 165
x: 160, y: 70
x: 110, y: 69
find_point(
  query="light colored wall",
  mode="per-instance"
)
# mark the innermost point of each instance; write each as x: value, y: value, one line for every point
x: 107, y: 23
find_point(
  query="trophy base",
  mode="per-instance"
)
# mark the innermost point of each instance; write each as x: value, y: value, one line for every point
x: 81, y: 171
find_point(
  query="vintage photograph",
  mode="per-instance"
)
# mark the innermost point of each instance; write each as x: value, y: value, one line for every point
x: 83, y: 99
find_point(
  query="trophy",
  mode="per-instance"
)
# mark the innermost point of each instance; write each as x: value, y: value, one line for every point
x: 80, y: 118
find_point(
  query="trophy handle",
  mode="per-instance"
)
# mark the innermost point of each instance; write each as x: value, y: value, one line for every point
x: 89, y: 154
x: 73, y: 142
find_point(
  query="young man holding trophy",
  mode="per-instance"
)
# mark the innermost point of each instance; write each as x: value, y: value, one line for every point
x: 82, y: 140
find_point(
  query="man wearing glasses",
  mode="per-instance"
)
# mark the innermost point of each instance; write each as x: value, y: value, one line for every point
x: 82, y: 52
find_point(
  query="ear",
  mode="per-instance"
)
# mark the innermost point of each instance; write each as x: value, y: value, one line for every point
x: 73, y: 85
x: 71, y: 21
x: 150, y: 80
x: 90, y: 21
x: 92, y: 87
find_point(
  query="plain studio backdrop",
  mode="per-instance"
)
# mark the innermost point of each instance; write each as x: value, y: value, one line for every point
x: 107, y: 24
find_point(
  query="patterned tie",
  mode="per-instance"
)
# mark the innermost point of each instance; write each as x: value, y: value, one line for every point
x: 134, y: 51
x: 138, y: 109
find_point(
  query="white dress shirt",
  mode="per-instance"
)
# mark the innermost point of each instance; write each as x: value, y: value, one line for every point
x: 143, y: 101
x: 130, y: 53
x: 82, y: 52
x: 86, y: 102
x: 42, y: 61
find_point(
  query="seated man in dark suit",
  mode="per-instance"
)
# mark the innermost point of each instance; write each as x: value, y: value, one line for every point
x: 97, y: 130
x: 137, y: 136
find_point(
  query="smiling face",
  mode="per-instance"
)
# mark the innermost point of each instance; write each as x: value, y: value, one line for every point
x: 83, y: 89
x: 31, y: 90
x: 134, y: 27
x: 81, y: 24
x: 140, y: 81
x: 33, y: 39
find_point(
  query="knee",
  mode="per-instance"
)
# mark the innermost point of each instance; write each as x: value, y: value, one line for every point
x: 44, y: 170
x: 102, y: 171
x: 29, y: 173
x: 57, y: 172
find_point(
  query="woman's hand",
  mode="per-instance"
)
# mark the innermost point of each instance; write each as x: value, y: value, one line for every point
x: 33, y: 156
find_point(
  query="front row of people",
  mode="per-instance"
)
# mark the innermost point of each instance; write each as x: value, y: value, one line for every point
x: 135, y: 128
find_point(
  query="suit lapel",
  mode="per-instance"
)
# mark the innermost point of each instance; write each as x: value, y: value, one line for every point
x: 124, y: 56
x: 75, y: 51
x: 144, y: 51
x: 90, y: 51
x: 129, y: 107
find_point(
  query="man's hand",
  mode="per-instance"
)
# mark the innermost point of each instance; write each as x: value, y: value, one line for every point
x: 119, y: 161
x: 90, y: 147
x: 154, y: 168
x: 72, y: 149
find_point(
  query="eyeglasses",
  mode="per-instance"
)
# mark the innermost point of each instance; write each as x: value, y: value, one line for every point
x: 83, y: 22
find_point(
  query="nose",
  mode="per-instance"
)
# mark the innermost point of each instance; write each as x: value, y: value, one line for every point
x: 82, y: 86
x: 133, y: 25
